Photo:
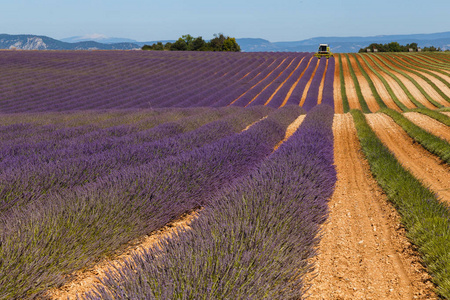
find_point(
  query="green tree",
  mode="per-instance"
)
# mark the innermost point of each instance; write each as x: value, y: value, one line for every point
x: 179, y: 45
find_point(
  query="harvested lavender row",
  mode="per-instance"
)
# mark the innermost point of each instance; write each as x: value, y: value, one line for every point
x: 65, y: 232
x: 253, y: 240
x: 313, y: 91
x: 328, y: 96
x: 24, y: 184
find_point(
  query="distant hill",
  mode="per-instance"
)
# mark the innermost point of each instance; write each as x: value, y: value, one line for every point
x: 338, y: 44
x: 35, y: 42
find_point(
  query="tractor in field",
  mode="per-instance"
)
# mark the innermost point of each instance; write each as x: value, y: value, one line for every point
x: 324, y: 51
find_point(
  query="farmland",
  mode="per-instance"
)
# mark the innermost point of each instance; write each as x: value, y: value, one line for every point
x: 174, y: 175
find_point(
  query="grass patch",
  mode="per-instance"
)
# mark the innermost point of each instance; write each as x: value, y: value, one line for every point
x: 426, y: 219
x: 400, y: 83
x: 386, y: 85
x: 361, y: 100
x: 370, y: 82
x: 435, y: 114
x: 432, y: 143
x: 345, y: 104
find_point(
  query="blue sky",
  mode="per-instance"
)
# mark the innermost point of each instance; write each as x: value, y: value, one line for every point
x: 275, y: 20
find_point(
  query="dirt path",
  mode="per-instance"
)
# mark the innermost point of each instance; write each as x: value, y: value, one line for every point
x: 379, y: 86
x: 350, y: 86
x: 396, y: 88
x: 338, y: 105
x: 415, y: 92
x: 363, y: 253
x: 429, y: 124
x: 306, y: 89
x: 437, y: 82
x: 295, y: 84
x: 83, y: 281
x: 447, y: 113
x: 365, y: 88
x: 322, y: 82
x: 282, y: 84
x: 422, y: 164
x: 260, y: 80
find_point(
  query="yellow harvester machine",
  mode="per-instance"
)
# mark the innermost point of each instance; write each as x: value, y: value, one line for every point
x: 324, y: 51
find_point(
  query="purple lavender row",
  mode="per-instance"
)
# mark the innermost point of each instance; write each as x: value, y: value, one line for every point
x: 27, y: 137
x: 74, y: 229
x: 328, y: 96
x: 254, y: 240
x: 279, y: 98
x: 313, y: 92
x: 296, y: 95
x: 227, y: 94
x: 246, y: 99
x: 271, y: 87
x: 25, y: 182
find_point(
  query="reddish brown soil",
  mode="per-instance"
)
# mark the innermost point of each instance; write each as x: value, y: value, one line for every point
x: 415, y: 92
x: 281, y: 85
x: 396, y: 88
x: 365, y: 88
x: 350, y: 89
x: 447, y: 113
x: 84, y: 280
x: 433, y: 79
x: 363, y: 253
x: 295, y: 84
x: 260, y: 80
x: 306, y: 89
x: 320, y: 95
x: 338, y: 105
x: 379, y: 86
x: 429, y: 124
x: 423, y: 165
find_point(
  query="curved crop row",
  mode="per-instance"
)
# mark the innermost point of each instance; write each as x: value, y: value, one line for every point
x: 251, y: 241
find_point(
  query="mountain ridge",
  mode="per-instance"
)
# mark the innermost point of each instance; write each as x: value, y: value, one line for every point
x: 338, y: 44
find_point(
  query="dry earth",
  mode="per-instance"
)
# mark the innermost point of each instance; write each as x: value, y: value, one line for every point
x: 338, y: 105
x: 429, y: 124
x: 364, y: 85
x: 423, y: 165
x: 364, y: 253
x: 379, y: 86
x: 350, y: 89
x: 84, y: 281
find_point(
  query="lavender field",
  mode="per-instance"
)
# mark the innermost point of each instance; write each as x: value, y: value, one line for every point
x: 37, y: 81
x: 101, y: 148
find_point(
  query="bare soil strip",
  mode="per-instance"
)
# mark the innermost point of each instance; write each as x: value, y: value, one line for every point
x: 282, y: 84
x: 250, y: 125
x: 433, y: 79
x: 295, y: 84
x: 272, y: 82
x: 417, y: 94
x: 423, y: 165
x: 396, y: 88
x: 365, y: 88
x: 260, y: 80
x: 306, y: 89
x: 84, y: 280
x: 292, y: 128
x: 363, y: 253
x: 429, y: 124
x: 379, y: 86
x: 350, y: 86
x: 338, y: 105
x: 320, y: 95
x: 447, y: 113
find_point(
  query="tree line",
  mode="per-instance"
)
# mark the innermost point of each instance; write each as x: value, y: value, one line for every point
x: 396, y: 47
x: 189, y: 43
